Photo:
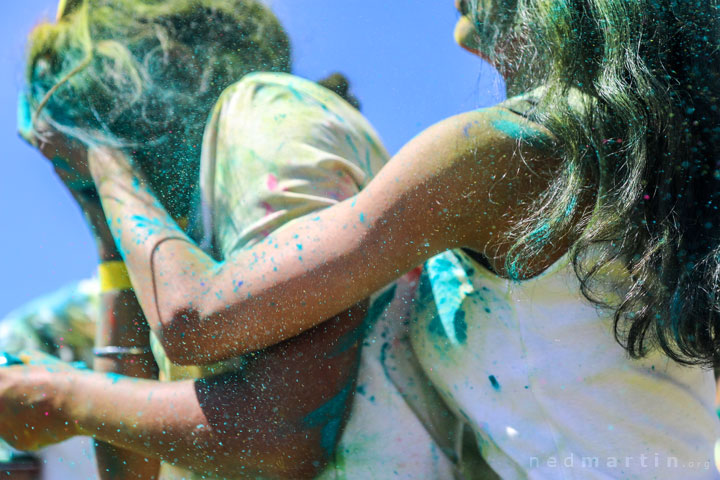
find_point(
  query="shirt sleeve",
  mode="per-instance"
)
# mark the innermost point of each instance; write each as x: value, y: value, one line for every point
x: 278, y: 147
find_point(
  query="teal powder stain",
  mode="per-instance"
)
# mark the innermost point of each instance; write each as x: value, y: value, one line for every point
x: 435, y: 327
x: 445, y: 286
x: 299, y: 246
x: 350, y: 142
x: 370, y: 141
x: 62, y: 164
x: 514, y: 270
x: 329, y: 418
x: 80, y: 365
x: 383, y: 360
x: 518, y: 131
x: 24, y: 117
x: 144, y: 222
x: 114, y: 377
x: 460, y: 326
x: 362, y: 217
x: 495, y: 384
x: 295, y: 93
x: 571, y: 206
x: 541, y: 234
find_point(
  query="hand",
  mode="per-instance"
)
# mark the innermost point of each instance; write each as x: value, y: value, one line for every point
x: 70, y: 160
x: 68, y: 156
x: 31, y: 402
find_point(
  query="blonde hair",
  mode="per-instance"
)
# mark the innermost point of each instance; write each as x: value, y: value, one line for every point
x: 144, y: 75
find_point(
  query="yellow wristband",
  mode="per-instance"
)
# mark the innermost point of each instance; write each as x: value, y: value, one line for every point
x: 113, y: 276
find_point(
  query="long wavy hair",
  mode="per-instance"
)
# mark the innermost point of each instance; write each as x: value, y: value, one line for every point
x: 144, y: 75
x: 630, y: 91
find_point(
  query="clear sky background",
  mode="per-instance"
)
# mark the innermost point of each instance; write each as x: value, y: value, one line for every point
x: 399, y: 55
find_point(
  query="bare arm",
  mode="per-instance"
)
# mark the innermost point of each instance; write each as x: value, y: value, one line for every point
x: 434, y: 195
x: 279, y: 417
x: 121, y: 323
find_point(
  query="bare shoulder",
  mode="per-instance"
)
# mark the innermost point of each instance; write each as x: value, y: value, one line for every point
x: 502, y: 131
x: 465, y: 181
x: 495, y: 139
x: 495, y: 164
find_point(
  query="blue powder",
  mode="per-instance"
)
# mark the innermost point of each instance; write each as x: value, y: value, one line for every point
x: 518, y: 131
x: 495, y: 384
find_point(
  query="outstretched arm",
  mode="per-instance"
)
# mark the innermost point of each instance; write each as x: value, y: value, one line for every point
x: 279, y: 417
x: 435, y: 194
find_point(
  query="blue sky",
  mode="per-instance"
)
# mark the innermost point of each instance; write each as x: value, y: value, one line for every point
x: 399, y: 55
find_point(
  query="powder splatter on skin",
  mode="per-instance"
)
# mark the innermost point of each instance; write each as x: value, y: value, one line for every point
x: 494, y: 382
x: 520, y: 131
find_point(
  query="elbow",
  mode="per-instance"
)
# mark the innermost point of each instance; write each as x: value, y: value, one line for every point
x: 181, y: 337
x: 202, y: 334
x: 191, y: 337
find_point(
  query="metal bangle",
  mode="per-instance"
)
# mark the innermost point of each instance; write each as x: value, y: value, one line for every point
x: 104, y: 352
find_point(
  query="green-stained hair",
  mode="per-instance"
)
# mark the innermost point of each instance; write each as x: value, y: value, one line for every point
x: 144, y: 75
x: 643, y: 135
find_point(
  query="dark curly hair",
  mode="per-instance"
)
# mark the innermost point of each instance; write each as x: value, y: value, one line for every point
x: 630, y: 90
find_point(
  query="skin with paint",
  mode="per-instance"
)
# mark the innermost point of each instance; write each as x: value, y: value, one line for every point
x: 437, y: 213
x: 299, y: 425
x: 136, y: 422
x: 466, y: 182
x: 414, y: 208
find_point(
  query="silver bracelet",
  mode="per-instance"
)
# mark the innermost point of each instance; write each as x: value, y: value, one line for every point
x: 104, y: 352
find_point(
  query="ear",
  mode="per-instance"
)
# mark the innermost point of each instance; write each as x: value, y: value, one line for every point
x: 66, y: 7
